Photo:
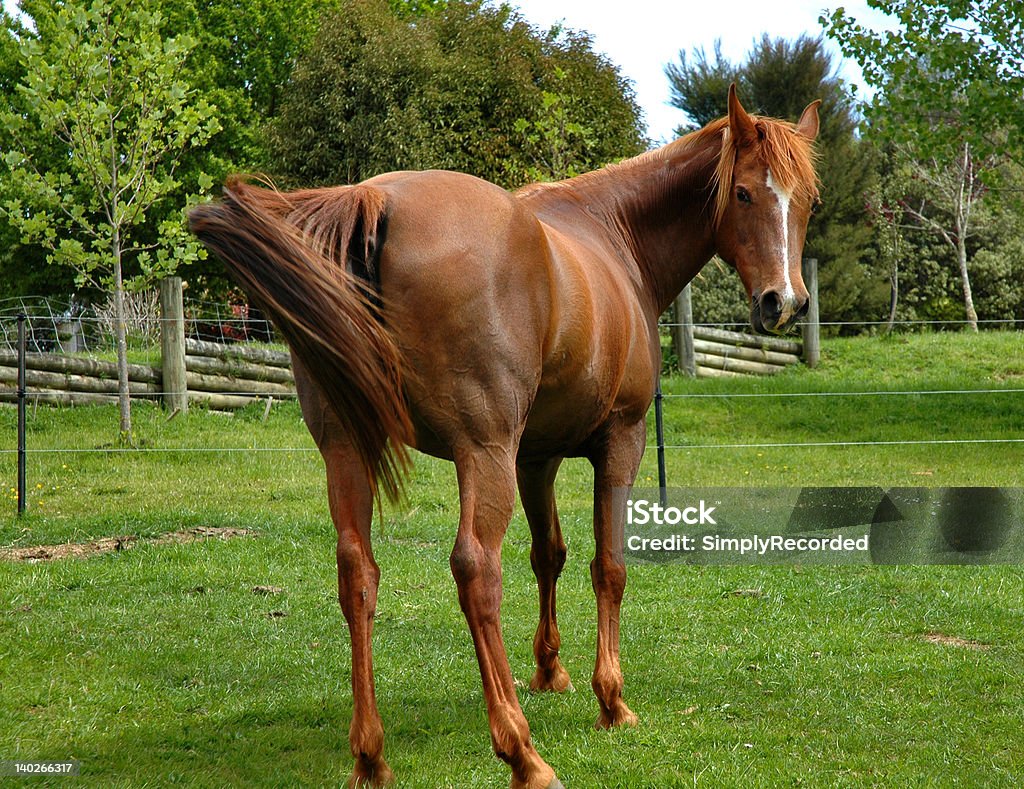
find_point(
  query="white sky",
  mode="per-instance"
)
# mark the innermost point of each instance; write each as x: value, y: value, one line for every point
x: 642, y: 36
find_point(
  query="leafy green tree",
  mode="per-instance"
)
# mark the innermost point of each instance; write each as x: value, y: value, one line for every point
x: 922, y: 212
x: 951, y: 71
x: 102, y: 82
x: 779, y: 78
x: 699, y: 85
x: 551, y: 139
x: 23, y: 268
x: 379, y: 91
x: 949, y: 80
x: 240, y: 62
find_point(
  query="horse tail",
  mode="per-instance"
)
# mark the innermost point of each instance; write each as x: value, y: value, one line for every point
x: 290, y: 253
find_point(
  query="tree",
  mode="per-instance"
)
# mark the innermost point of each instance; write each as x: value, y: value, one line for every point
x: 553, y: 139
x: 240, y: 61
x: 947, y: 206
x: 699, y: 88
x: 102, y: 83
x: 379, y: 91
x: 779, y: 78
x: 23, y: 268
x: 952, y: 68
x: 949, y: 82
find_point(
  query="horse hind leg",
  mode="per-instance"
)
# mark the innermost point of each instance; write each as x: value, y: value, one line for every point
x: 351, y: 503
x: 487, y: 496
x: 547, y: 556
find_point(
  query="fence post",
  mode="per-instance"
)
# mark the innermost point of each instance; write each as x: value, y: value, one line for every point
x: 22, y: 448
x: 682, y: 334
x: 172, y: 345
x: 659, y: 427
x: 812, y: 326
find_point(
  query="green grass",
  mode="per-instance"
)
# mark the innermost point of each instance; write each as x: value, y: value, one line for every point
x: 159, y: 665
x: 915, y: 363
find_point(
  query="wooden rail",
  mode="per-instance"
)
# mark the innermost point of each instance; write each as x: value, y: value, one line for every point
x: 221, y: 377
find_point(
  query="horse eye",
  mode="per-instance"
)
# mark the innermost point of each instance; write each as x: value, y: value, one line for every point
x: 743, y: 195
x: 815, y: 205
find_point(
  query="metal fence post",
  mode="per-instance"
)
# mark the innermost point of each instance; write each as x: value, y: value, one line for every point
x: 22, y: 448
x: 659, y: 428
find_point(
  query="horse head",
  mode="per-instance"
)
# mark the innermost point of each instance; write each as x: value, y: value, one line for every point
x: 766, y: 193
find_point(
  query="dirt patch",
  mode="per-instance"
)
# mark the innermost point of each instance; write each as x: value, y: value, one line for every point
x: 953, y: 641
x: 267, y: 590
x: 80, y: 550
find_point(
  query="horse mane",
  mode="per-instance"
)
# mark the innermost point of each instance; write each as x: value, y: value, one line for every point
x: 789, y: 155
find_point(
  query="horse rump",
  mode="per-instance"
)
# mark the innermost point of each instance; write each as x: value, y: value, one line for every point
x: 291, y: 262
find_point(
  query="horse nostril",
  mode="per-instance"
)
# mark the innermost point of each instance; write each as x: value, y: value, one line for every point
x: 771, y: 306
x: 801, y: 313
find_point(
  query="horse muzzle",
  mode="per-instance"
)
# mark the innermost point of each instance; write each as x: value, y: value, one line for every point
x: 772, y: 313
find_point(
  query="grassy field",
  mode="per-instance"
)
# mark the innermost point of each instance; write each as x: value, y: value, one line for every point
x: 161, y: 664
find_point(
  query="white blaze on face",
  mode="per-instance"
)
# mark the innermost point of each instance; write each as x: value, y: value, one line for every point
x: 783, y: 196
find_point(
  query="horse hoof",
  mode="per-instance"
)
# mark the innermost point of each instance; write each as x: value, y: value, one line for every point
x: 621, y: 716
x: 370, y: 775
x: 555, y: 681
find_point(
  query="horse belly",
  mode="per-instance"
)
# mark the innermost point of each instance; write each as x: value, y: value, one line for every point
x: 608, y: 377
x: 561, y: 421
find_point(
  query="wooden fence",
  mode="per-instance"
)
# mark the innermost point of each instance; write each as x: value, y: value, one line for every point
x: 72, y: 380
x: 216, y: 375
x: 719, y: 353
x: 219, y: 376
x: 232, y: 376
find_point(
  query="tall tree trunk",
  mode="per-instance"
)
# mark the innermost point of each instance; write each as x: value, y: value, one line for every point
x: 964, y: 204
x: 120, y: 334
x: 965, y: 281
x: 894, y: 296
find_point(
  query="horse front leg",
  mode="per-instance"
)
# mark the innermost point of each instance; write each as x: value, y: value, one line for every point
x: 615, y: 466
x: 351, y: 503
x: 547, y: 557
x: 487, y: 496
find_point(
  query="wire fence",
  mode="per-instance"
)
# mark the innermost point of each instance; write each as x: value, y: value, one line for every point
x: 72, y: 326
x: 909, y: 323
x: 54, y: 326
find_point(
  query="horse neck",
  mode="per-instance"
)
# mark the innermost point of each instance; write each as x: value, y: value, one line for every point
x: 659, y: 205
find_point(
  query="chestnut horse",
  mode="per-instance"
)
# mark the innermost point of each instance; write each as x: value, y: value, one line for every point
x: 506, y: 332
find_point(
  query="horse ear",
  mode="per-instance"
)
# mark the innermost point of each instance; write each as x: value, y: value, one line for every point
x: 740, y: 123
x: 808, y: 123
